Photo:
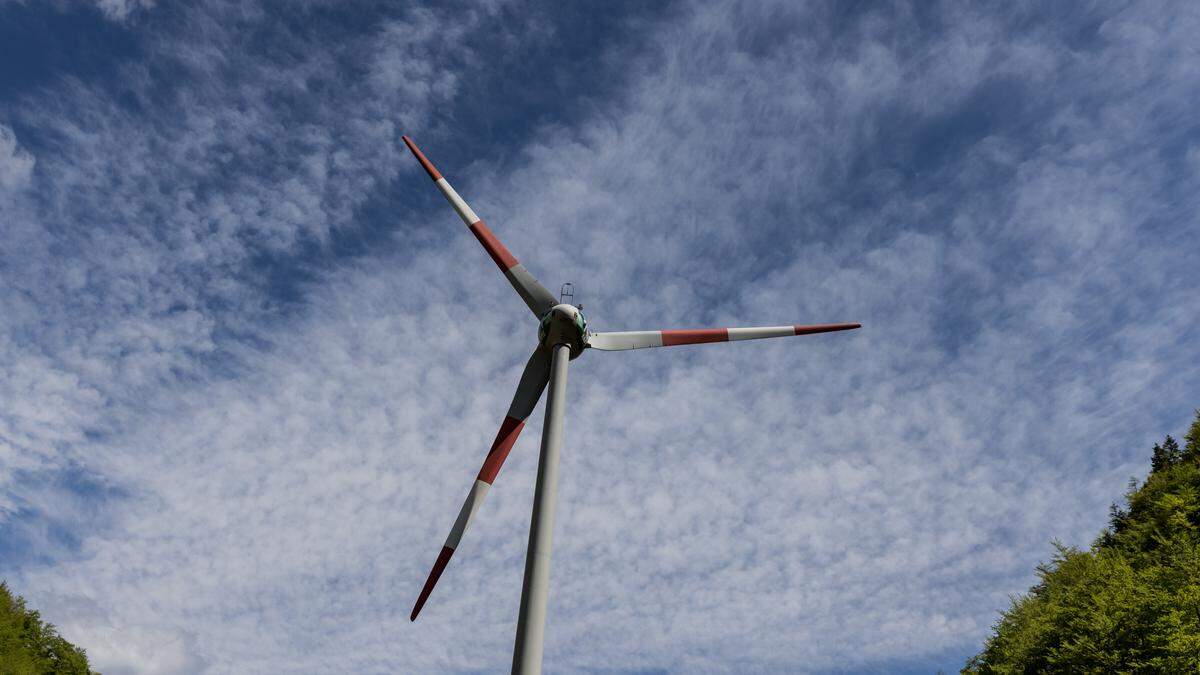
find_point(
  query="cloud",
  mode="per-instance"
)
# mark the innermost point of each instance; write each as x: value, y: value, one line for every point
x: 119, y: 10
x: 16, y: 165
x: 130, y: 262
x: 282, y: 431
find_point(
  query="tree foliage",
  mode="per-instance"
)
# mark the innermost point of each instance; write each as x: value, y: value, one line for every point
x: 1130, y: 604
x: 30, y: 646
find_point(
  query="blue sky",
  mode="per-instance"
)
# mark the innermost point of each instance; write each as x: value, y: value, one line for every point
x: 251, y: 361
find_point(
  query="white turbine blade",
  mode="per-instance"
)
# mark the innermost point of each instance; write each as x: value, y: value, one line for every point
x: 531, y: 291
x: 642, y: 339
x: 529, y: 390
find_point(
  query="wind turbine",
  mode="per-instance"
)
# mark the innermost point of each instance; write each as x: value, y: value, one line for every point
x: 562, y: 336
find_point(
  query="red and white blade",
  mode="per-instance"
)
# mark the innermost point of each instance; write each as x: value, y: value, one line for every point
x: 529, y: 390
x: 644, y: 339
x: 531, y: 291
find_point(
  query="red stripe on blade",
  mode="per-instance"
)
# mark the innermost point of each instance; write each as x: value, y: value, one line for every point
x: 503, y: 258
x: 434, y: 574
x: 826, y: 328
x: 509, y: 430
x: 671, y: 338
x: 429, y: 168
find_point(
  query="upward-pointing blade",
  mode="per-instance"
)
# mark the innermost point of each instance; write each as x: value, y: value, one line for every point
x: 529, y: 390
x: 531, y: 291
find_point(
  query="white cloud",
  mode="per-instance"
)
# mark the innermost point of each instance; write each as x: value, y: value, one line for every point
x: 119, y: 10
x: 16, y: 165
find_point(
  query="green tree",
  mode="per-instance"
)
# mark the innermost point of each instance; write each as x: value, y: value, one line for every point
x: 1166, y: 455
x: 30, y: 646
x: 1191, y: 441
x: 1130, y: 604
x: 1171, y: 448
x: 1159, y: 459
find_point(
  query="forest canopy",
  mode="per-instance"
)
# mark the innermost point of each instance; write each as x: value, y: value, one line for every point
x: 1130, y: 604
x: 30, y: 646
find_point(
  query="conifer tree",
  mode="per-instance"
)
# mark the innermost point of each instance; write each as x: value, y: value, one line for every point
x: 1191, y: 441
x: 1159, y: 460
x: 1172, y: 451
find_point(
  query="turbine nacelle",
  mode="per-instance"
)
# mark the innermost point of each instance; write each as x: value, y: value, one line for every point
x: 564, y: 324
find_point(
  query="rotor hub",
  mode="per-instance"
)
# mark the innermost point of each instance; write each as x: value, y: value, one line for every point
x: 564, y: 324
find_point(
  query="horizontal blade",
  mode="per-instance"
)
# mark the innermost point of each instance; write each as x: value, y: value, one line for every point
x: 531, y: 291
x: 642, y: 339
x: 529, y: 390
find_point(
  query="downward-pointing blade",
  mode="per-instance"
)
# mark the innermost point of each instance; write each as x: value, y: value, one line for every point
x: 529, y: 390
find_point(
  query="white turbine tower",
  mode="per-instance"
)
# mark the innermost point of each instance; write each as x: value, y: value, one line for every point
x: 562, y: 336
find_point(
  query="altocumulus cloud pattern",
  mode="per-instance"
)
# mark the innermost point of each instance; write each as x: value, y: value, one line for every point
x: 247, y: 355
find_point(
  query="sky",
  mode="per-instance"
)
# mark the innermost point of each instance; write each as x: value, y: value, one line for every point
x: 250, y: 361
